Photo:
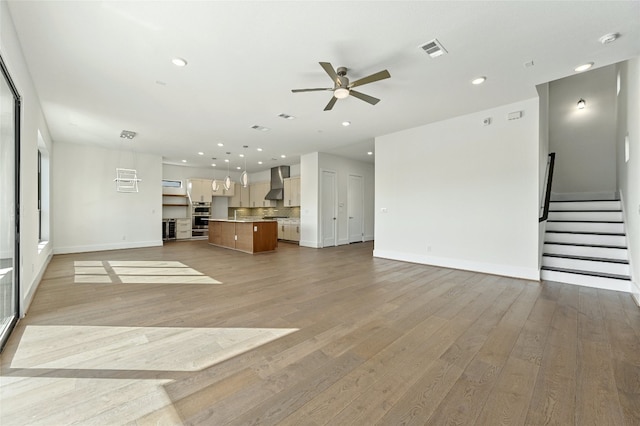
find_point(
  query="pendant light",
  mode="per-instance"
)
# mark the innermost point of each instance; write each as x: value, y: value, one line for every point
x: 244, y: 177
x: 227, y: 180
x: 215, y: 183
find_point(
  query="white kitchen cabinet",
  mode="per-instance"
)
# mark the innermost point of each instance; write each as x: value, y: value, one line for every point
x: 257, y: 192
x: 240, y: 196
x: 183, y: 229
x: 199, y: 190
x: 289, y: 229
x: 292, y: 192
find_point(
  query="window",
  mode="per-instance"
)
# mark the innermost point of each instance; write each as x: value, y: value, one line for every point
x: 166, y: 183
x: 43, y: 191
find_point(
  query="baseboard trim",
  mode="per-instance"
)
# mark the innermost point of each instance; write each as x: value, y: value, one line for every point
x: 28, y: 298
x: 531, y: 274
x: 105, y: 247
x: 311, y: 244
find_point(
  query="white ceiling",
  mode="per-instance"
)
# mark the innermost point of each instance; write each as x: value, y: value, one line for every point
x: 103, y: 67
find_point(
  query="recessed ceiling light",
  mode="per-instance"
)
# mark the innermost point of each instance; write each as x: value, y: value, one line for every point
x: 242, y: 155
x: 226, y: 160
x: 238, y: 167
x: 213, y: 164
x: 260, y: 128
x: 369, y: 153
x: 478, y: 80
x: 201, y: 153
x: 583, y: 67
x: 220, y: 144
x: 184, y: 161
x: 283, y: 156
x: 259, y: 149
x: 259, y: 162
x: 608, y: 38
x: 346, y: 123
x: 179, y: 62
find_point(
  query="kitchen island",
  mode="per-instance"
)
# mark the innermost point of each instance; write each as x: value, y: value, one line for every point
x: 249, y: 236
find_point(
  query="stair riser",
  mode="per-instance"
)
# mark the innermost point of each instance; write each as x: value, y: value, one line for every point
x: 586, y: 265
x: 602, y: 252
x: 585, y: 205
x: 610, y: 228
x: 604, y: 240
x: 590, y: 216
x: 585, y: 280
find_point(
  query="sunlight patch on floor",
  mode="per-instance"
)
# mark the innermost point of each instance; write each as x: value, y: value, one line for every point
x: 138, y: 272
x: 136, y: 348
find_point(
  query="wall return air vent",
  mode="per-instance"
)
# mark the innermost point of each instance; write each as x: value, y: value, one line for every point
x: 434, y: 48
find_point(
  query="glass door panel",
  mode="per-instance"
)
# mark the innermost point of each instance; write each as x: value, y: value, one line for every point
x: 8, y: 209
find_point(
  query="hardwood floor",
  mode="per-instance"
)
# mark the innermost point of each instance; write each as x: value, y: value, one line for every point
x: 193, y: 334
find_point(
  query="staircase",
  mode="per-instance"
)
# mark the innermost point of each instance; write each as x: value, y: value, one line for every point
x: 585, y: 244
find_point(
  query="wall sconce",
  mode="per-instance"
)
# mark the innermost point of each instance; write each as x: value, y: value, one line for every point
x: 582, y: 103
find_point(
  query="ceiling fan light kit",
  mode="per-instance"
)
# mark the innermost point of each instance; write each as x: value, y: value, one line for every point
x: 342, y: 88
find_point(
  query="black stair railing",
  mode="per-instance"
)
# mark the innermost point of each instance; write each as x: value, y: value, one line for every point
x: 547, y: 193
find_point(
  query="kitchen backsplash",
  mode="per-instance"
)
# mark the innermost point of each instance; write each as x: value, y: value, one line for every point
x: 265, y: 211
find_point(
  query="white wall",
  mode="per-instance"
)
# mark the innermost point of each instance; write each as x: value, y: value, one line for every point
x: 90, y: 214
x: 628, y: 127
x: 543, y: 132
x: 584, y: 140
x: 33, y: 260
x: 459, y: 194
x: 310, y: 200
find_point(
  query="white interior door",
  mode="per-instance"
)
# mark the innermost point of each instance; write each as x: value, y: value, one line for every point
x: 328, y: 209
x: 355, y: 208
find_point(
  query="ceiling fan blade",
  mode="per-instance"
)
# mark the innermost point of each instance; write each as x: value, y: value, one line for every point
x: 311, y: 90
x: 370, y: 79
x: 331, y: 103
x: 366, y: 98
x: 328, y: 68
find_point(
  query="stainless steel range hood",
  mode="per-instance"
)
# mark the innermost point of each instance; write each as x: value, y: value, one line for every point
x: 278, y: 174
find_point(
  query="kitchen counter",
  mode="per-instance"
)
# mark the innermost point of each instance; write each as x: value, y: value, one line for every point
x: 249, y: 236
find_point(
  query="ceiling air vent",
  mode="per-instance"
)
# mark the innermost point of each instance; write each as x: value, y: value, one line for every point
x: 286, y: 116
x: 260, y: 128
x: 434, y: 48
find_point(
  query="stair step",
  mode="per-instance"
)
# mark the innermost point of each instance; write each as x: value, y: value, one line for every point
x: 586, y: 205
x: 587, y: 238
x: 556, y: 243
x: 586, y: 265
x: 590, y: 274
x: 591, y: 259
x: 586, y: 227
x: 589, y: 216
x: 584, y: 279
x: 587, y: 251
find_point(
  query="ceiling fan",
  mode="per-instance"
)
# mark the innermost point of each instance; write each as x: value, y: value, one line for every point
x: 342, y: 88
